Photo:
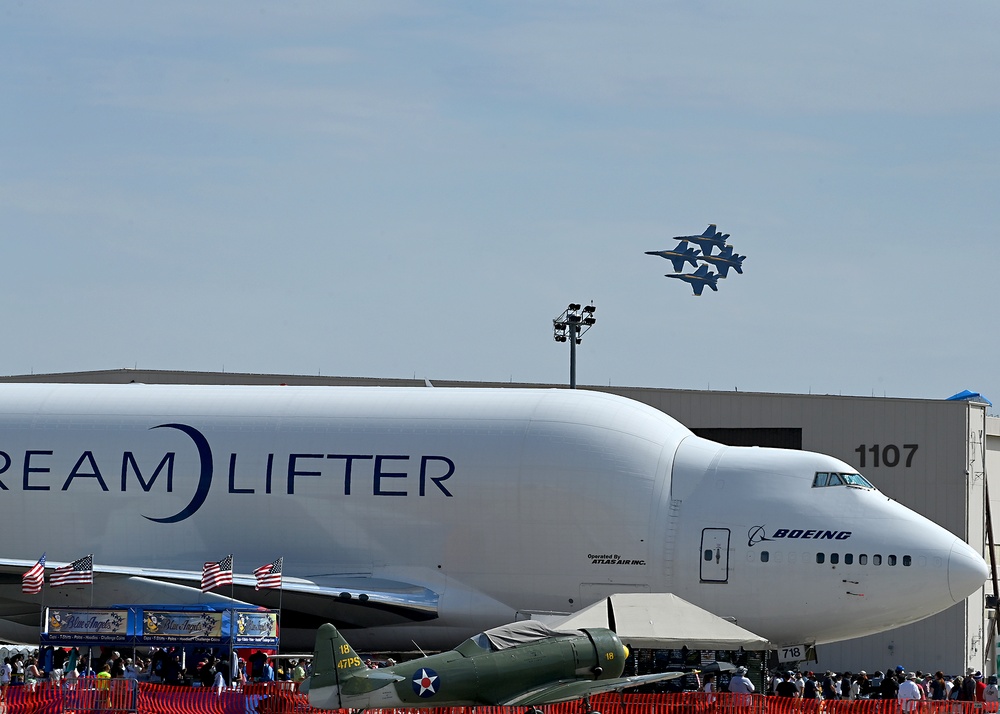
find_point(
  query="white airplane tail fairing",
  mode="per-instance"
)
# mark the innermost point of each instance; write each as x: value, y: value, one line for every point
x: 390, y: 502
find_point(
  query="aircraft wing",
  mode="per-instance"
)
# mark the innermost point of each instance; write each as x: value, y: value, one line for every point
x: 356, y: 600
x: 569, y: 690
x: 418, y: 601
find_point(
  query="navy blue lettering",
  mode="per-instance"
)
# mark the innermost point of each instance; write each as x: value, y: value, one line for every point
x: 267, y: 476
x: 207, y: 468
x: 95, y: 472
x: 438, y: 479
x: 232, y: 477
x: 348, y: 461
x: 292, y: 472
x: 379, y: 475
x: 29, y: 469
x: 815, y: 535
x: 128, y: 459
x: 6, y: 465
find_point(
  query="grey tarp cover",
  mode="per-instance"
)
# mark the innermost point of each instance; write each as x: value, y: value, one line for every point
x: 518, y: 633
x: 663, y: 621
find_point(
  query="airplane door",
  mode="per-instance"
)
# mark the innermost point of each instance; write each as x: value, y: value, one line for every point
x: 714, y: 555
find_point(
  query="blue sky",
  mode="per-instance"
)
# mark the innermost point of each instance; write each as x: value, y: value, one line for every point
x: 400, y: 189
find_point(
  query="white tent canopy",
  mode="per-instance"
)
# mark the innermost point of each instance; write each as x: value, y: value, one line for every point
x: 662, y: 621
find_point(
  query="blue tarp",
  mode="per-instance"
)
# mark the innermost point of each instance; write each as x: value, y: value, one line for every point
x: 967, y: 396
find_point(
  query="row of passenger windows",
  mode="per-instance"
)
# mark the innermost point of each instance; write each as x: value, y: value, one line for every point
x: 848, y: 559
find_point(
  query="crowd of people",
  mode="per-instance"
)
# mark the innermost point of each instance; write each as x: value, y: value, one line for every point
x: 896, y: 683
x: 204, y: 668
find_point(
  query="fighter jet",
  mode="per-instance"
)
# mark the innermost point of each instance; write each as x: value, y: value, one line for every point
x: 725, y: 260
x: 699, y: 279
x: 523, y: 664
x: 678, y: 256
x: 711, y: 238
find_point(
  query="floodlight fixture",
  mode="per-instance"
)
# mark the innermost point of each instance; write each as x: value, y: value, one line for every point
x: 570, y: 326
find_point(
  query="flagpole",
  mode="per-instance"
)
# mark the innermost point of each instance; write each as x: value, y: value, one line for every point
x: 281, y: 592
x: 41, y: 611
x: 233, y: 666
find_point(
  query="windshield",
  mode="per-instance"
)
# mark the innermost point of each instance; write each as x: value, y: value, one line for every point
x: 826, y: 478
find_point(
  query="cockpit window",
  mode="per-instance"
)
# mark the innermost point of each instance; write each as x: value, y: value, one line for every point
x: 856, y: 480
x: 824, y: 478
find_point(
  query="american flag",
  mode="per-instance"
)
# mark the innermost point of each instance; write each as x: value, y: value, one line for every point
x: 78, y: 572
x: 215, y: 574
x: 269, y: 576
x: 32, y: 580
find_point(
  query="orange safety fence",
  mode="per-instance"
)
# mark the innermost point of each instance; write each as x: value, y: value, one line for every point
x: 86, y: 697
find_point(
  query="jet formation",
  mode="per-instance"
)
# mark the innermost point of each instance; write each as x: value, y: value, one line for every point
x: 723, y: 261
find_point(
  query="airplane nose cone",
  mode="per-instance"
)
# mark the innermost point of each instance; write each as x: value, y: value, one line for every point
x: 967, y: 571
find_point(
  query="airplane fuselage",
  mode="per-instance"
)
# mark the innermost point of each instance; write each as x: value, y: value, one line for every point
x: 555, y: 668
x: 495, y: 504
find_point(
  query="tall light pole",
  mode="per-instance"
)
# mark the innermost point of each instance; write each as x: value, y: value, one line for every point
x: 570, y: 326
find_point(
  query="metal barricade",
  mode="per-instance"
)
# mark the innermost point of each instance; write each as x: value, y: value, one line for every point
x: 93, y: 695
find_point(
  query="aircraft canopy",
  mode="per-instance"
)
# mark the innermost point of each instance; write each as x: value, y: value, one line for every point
x: 663, y: 621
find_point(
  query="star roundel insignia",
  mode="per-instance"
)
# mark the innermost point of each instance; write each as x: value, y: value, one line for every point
x: 425, y: 683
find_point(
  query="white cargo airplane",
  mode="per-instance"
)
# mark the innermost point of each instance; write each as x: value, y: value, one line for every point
x: 427, y: 515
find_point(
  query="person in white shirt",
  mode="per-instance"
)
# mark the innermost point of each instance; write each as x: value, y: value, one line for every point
x: 856, y: 685
x: 992, y: 692
x: 909, y: 693
x: 740, y: 684
x: 219, y: 683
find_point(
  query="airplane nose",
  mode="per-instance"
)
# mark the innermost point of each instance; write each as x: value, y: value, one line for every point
x: 967, y: 571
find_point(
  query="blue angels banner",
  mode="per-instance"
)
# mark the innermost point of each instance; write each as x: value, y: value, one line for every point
x: 256, y: 628
x: 160, y: 626
x: 179, y: 627
x: 87, y: 626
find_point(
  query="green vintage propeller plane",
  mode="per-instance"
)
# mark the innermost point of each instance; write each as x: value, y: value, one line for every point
x: 523, y: 664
